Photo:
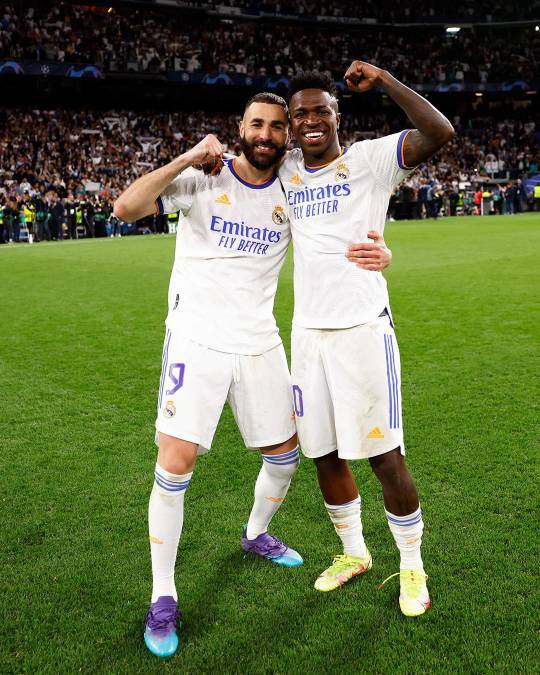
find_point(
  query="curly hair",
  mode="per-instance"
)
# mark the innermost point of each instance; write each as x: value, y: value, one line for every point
x: 311, y: 79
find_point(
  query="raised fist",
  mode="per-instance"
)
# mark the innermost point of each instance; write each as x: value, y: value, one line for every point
x: 361, y: 76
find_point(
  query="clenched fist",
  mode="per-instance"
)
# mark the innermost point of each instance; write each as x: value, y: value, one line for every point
x: 361, y: 76
x: 207, y: 155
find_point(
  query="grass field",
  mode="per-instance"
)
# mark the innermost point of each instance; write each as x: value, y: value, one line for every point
x: 80, y: 349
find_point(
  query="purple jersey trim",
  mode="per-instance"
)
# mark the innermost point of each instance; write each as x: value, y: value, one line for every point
x: 400, y: 153
x: 159, y: 204
x: 318, y: 168
x: 249, y: 185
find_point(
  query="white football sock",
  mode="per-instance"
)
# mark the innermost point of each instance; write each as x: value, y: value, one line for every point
x: 270, y: 489
x: 165, y: 519
x: 348, y: 525
x: 407, y: 531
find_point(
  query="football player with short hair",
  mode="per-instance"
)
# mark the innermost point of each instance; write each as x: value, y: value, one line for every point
x: 345, y: 359
x: 222, y: 342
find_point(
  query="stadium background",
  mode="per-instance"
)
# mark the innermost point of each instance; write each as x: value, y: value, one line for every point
x: 93, y: 96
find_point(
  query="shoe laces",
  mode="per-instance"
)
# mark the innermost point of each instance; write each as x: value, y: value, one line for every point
x: 411, y: 580
x: 341, y: 562
x: 273, y: 547
x: 163, y: 618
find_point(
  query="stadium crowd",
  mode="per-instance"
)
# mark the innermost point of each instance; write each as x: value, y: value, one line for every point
x: 61, y: 170
x: 146, y: 40
x: 422, y: 10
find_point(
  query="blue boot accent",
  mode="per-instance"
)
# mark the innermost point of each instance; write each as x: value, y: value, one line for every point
x: 289, y: 559
x: 161, y: 646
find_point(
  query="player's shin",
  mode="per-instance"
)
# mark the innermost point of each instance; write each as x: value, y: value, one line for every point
x: 407, y: 531
x: 347, y: 522
x: 270, y: 489
x: 165, y: 520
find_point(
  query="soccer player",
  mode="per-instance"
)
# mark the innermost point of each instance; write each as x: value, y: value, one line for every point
x: 345, y: 359
x: 222, y: 342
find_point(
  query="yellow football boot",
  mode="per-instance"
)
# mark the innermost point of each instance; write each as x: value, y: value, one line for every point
x: 414, y: 596
x: 343, y: 568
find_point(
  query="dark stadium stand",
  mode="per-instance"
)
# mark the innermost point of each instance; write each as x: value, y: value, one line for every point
x: 148, y: 41
x: 96, y: 95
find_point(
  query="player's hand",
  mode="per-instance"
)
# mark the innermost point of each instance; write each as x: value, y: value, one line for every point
x: 374, y: 256
x: 361, y: 76
x: 207, y: 155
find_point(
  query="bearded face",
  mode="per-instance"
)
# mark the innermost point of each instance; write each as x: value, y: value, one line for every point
x: 262, y: 154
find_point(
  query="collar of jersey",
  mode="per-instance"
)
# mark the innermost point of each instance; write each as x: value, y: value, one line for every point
x: 253, y: 186
x: 312, y: 169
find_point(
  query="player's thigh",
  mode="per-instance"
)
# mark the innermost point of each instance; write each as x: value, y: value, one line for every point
x: 311, y: 395
x: 261, y: 399
x: 363, y: 368
x: 193, y: 389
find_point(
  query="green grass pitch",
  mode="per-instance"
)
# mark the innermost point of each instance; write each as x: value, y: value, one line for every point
x: 80, y: 355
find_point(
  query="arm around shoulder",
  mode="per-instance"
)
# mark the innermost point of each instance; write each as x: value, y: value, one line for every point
x: 139, y: 199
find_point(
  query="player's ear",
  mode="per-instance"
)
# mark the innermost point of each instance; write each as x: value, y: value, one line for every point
x: 290, y: 133
x: 241, y: 127
x: 338, y: 118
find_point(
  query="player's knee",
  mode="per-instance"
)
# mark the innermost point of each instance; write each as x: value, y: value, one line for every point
x: 390, y: 469
x: 168, y: 484
x: 282, y: 465
x: 330, y: 464
x: 388, y: 461
x: 281, y: 448
x: 176, y: 455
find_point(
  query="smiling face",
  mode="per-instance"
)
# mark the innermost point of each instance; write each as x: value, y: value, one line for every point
x: 314, y: 124
x: 264, y: 134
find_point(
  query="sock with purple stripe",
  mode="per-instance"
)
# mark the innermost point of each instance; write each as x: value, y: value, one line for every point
x: 165, y: 520
x: 347, y: 522
x: 407, y: 531
x: 270, y: 489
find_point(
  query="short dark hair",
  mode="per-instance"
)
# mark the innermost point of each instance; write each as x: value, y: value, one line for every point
x: 311, y: 79
x: 268, y: 97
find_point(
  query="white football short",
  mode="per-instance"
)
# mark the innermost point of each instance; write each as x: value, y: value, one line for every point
x: 196, y: 381
x: 346, y: 390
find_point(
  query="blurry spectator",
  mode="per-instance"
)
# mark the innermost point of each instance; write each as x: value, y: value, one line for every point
x: 520, y: 198
x: 453, y: 200
x: 101, y: 214
x: 509, y: 195
x: 71, y: 215
x: 478, y: 201
x: 498, y: 201
x: 87, y: 209
x: 42, y: 216
x: 57, y: 212
x: 536, y: 196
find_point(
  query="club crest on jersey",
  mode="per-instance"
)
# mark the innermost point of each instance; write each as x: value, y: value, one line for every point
x: 342, y: 171
x: 169, y: 410
x: 279, y: 216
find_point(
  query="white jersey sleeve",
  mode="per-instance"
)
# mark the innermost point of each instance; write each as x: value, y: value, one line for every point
x: 385, y: 158
x: 179, y: 195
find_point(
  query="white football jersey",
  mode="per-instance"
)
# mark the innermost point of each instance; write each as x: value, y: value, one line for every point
x: 231, y: 243
x: 330, y: 208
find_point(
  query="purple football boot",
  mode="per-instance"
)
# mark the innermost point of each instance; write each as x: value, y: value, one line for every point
x: 160, y: 626
x: 271, y: 548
